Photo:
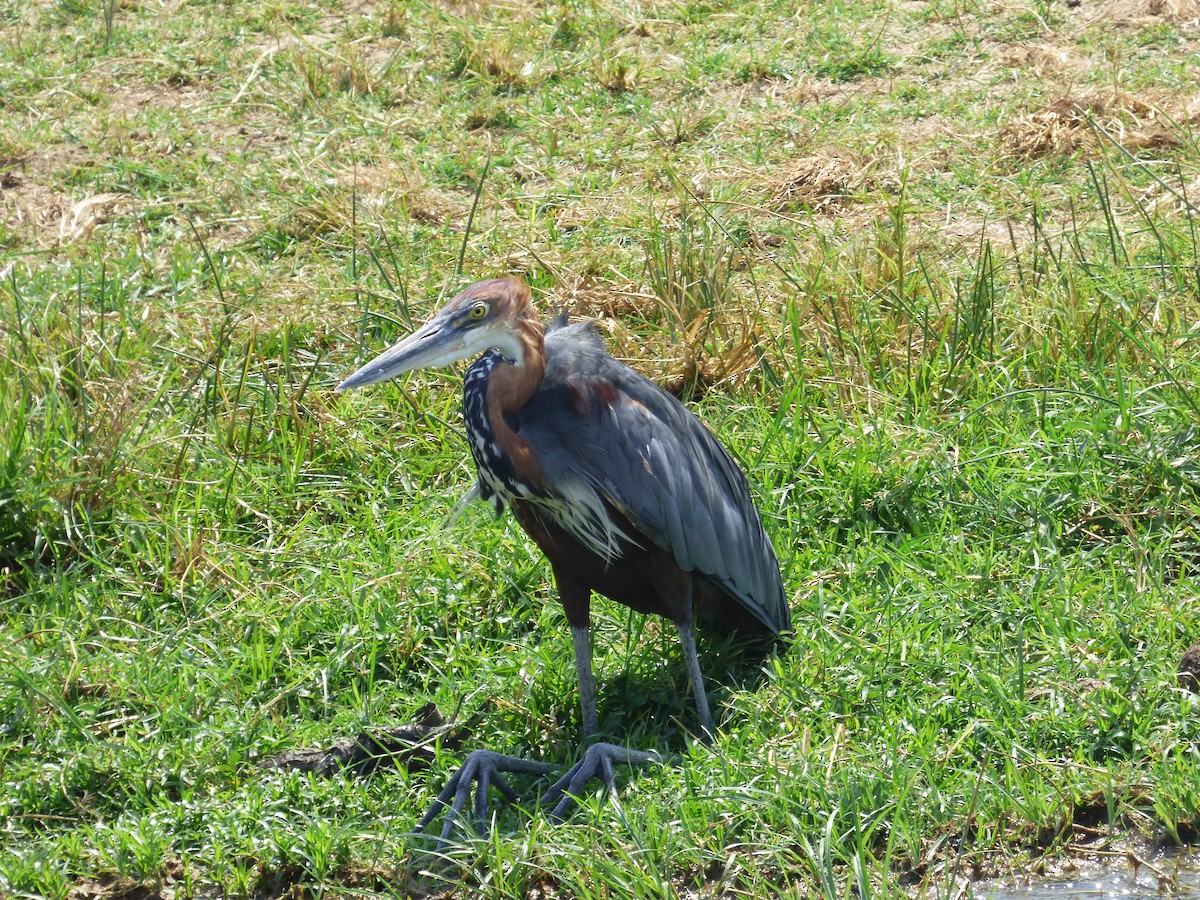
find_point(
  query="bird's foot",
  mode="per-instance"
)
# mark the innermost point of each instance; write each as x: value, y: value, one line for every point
x: 481, y: 769
x: 597, y: 762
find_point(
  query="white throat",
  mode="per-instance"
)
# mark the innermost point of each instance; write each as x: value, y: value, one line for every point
x: 505, y: 340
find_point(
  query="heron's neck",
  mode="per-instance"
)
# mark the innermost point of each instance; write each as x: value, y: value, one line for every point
x: 509, y: 387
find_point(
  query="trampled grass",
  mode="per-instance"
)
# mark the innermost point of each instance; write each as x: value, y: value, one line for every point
x: 930, y: 272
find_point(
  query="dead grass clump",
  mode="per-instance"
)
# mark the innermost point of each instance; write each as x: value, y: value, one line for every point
x: 463, y: 8
x: 1136, y: 14
x: 1178, y: 198
x: 690, y: 272
x: 690, y: 376
x: 387, y: 187
x: 502, y: 60
x: 29, y: 209
x: 1174, y: 10
x: 1065, y: 125
x: 616, y: 73
x: 81, y: 219
x: 582, y: 300
x: 47, y: 219
x: 325, y: 74
x: 1044, y: 60
x: 821, y: 182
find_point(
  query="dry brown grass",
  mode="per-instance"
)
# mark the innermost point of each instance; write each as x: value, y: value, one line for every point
x: 583, y: 299
x: 48, y: 219
x: 1071, y: 122
x: 385, y: 187
x: 1133, y: 15
x: 820, y: 182
x: 1043, y: 60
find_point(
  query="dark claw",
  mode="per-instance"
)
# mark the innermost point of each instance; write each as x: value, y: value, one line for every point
x: 480, y: 769
x: 597, y: 762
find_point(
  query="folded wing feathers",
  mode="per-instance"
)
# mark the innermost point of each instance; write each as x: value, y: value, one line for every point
x: 652, y: 459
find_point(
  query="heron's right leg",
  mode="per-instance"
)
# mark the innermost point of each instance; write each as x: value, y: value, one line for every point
x: 687, y: 639
x: 576, y: 599
x: 599, y: 758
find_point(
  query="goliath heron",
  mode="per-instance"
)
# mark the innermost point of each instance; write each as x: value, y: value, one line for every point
x: 621, y: 487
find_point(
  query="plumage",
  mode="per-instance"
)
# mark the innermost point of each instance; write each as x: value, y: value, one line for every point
x: 623, y: 489
x: 617, y: 435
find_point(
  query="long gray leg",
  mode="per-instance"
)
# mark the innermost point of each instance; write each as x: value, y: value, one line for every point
x: 687, y: 637
x: 581, y: 638
x: 599, y: 759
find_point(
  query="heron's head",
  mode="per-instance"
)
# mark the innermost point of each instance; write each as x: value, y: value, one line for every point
x: 496, y: 314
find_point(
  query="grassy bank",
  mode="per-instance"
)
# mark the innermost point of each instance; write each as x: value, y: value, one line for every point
x: 929, y: 270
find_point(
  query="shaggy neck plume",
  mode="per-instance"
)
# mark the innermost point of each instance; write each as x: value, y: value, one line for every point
x: 493, y: 389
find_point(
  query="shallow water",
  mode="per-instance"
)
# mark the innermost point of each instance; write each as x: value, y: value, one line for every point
x: 1173, y: 875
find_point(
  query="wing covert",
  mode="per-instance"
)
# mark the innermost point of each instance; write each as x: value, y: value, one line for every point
x: 646, y: 453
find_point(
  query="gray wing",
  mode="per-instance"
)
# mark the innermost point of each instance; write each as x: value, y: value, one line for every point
x: 644, y: 452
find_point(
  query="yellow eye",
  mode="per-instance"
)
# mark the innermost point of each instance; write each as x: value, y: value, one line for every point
x: 479, y: 311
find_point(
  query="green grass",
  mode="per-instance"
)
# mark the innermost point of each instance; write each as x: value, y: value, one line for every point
x: 964, y: 381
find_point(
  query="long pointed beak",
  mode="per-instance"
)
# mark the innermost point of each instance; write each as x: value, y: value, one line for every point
x: 436, y: 343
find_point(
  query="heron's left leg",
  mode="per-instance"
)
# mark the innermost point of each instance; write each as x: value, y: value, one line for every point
x: 687, y: 638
